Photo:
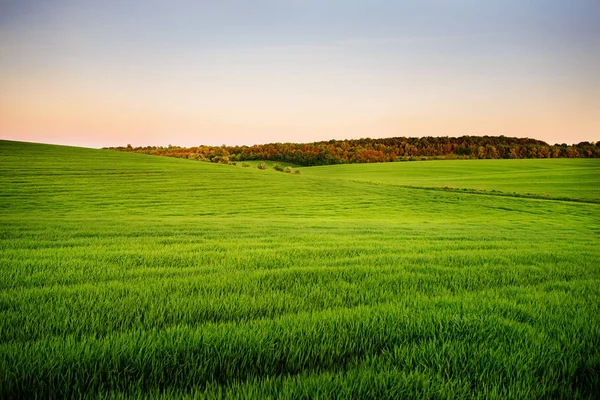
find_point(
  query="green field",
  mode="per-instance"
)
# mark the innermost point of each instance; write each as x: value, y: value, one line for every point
x: 564, y: 177
x: 125, y: 275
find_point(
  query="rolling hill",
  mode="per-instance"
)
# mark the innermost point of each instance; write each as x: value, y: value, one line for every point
x: 128, y: 275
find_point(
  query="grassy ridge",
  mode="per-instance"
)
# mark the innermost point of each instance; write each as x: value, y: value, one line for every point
x: 565, y: 178
x: 134, y: 275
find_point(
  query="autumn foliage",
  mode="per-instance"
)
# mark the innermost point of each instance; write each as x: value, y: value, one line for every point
x: 379, y: 150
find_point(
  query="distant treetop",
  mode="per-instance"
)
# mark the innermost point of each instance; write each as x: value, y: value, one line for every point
x: 379, y: 150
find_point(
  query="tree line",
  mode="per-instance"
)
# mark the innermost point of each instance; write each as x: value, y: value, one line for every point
x: 379, y: 150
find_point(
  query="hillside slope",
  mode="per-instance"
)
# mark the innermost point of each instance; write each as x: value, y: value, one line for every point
x: 559, y: 178
x: 132, y: 275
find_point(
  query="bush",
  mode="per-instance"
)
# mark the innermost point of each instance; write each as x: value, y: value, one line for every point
x: 297, y: 172
x: 288, y: 170
x: 196, y: 157
x: 245, y: 165
x: 221, y: 160
x: 277, y: 167
x: 262, y: 165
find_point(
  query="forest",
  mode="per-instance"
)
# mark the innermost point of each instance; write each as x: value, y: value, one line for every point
x: 378, y: 150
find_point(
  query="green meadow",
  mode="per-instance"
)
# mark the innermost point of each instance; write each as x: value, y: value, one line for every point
x: 562, y: 178
x: 134, y: 276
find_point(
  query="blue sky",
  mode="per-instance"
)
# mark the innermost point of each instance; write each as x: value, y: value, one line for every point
x: 240, y: 72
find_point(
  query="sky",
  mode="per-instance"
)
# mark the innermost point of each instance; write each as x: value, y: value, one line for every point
x: 110, y: 73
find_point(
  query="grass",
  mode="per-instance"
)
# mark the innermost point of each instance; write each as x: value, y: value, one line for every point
x: 254, y: 164
x: 124, y: 275
x: 574, y: 178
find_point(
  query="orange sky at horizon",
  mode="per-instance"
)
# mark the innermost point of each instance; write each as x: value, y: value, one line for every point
x: 44, y: 113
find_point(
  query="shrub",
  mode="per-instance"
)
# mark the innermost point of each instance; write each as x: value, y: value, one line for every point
x: 288, y: 170
x: 196, y: 157
x: 221, y: 160
x: 297, y: 172
x: 262, y: 165
x: 277, y: 167
x: 245, y: 165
